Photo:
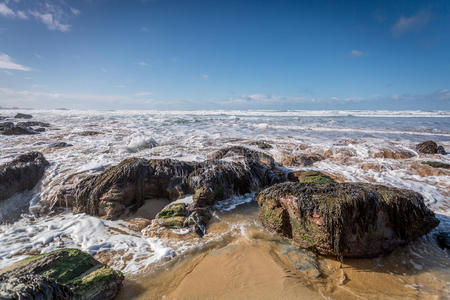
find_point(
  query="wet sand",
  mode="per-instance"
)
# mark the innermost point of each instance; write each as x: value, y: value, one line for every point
x: 251, y: 263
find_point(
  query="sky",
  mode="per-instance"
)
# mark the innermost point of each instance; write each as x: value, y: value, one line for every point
x: 192, y: 55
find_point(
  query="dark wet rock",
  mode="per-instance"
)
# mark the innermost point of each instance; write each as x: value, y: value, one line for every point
x: 179, y: 215
x: 430, y: 147
x: 21, y: 174
x: 441, y: 150
x: 2, y: 118
x: 262, y: 145
x: 231, y: 171
x: 88, y: 133
x: 345, y: 219
x: 60, y: 145
x: 443, y: 239
x: 8, y: 128
x: 33, y: 124
x: 40, y: 129
x: 23, y: 116
x: 309, y: 176
x: 60, y: 274
x: 303, y: 160
x: 436, y: 164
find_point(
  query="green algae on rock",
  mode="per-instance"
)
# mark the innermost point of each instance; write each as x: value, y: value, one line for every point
x: 309, y: 176
x: 345, y: 219
x: 61, y: 274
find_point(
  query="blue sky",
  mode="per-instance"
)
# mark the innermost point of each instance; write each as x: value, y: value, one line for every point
x: 163, y: 54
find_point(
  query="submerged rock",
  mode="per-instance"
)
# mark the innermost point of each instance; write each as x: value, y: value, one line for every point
x: 231, y: 171
x: 33, y: 124
x: 23, y: 116
x: 21, y: 174
x: 394, y: 154
x: 345, y: 219
x: 262, y: 145
x: 436, y: 164
x: 60, y: 145
x: 304, y: 160
x: 60, y: 274
x: 430, y: 147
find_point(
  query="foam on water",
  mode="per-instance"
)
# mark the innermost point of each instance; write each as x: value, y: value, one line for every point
x: 194, y: 136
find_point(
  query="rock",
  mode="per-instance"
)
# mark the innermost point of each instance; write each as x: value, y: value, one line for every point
x: 33, y: 287
x: 88, y: 133
x: 21, y: 174
x: 8, y: 128
x: 262, y: 145
x: 443, y: 239
x: 304, y: 160
x: 436, y: 164
x: 399, y: 154
x: 345, y: 219
x: 60, y: 145
x: 309, y: 176
x: 134, y: 180
x: 40, y: 129
x: 33, y: 124
x: 441, y: 150
x: 23, y: 116
x: 430, y: 147
x: 60, y: 274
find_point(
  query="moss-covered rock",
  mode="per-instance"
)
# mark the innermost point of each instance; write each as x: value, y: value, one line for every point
x: 172, y: 222
x: 345, y: 219
x: 72, y: 269
x: 309, y: 176
x: 230, y: 171
x: 430, y: 147
x: 174, y: 210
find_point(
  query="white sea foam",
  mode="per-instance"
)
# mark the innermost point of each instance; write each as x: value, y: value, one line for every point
x: 193, y: 136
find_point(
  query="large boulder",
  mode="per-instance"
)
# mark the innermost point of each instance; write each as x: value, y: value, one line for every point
x: 430, y: 147
x: 21, y: 174
x: 232, y: 171
x: 61, y: 274
x: 345, y: 219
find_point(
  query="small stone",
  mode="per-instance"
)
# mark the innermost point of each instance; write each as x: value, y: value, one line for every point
x: 23, y: 116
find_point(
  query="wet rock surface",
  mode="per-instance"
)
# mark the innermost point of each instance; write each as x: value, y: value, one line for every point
x: 230, y: 171
x: 60, y: 145
x: 430, y: 147
x: 23, y: 116
x: 443, y: 239
x: 345, y: 219
x: 21, y: 174
x: 8, y: 128
x: 60, y: 274
x: 436, y: 164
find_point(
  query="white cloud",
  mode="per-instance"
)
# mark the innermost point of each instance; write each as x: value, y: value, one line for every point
x: 21, y: 15
x: 410, y: 24
x: 357, y: 53
x: 142, y: 63
x: 6, y: 11
x: 50, y: 21
x: 7, y: 63
x: 205, y: 76
x: 75, y: 11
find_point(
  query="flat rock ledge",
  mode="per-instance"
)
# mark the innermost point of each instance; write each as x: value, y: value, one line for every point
x: 60, y: 274
x: 345, y: 219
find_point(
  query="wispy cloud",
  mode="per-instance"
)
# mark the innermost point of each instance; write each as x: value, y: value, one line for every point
x: 142, y: 63
x: 50, y: 21
x: 6, y: 11
x: 357, y: 53
x: 205, y: 76
x: 411, y: 24
x: 7, y: 63
x: 143, y: 94
x: 54, y: 14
